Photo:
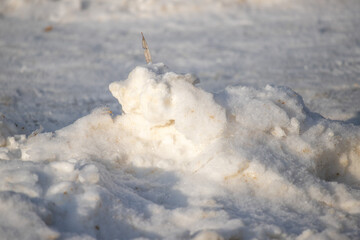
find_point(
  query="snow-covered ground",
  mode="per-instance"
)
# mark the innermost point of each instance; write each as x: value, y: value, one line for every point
x: 266, y: 146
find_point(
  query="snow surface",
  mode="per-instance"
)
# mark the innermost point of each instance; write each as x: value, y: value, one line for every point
x: 236, y: 156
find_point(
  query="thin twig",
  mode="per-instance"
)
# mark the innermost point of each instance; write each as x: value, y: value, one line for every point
x: 146, y: 50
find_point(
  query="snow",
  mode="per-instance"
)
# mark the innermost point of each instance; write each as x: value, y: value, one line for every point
x: 106, y: 10
x: 232, y: 149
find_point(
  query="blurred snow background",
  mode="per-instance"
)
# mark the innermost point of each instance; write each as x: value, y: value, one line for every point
x: 310, y: 47
x: 57, y: 59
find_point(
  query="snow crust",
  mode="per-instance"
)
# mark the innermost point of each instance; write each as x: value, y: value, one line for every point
x: 182, y: 163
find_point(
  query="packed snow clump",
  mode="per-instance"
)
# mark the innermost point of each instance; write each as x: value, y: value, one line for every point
x: 180, y: 162
x: 162, y: 99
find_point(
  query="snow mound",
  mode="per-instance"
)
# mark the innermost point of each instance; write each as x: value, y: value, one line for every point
x: 180, y: 162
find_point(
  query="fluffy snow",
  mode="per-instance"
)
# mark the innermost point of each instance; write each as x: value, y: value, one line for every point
x: 225, y: 151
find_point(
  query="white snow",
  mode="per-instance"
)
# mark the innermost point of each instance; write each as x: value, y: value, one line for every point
x: 85, y: 154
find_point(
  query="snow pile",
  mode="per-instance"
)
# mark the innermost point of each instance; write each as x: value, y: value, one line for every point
x: 184, y: 163
x: 75, y: 10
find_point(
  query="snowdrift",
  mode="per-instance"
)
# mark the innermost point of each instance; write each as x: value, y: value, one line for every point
x: 180, y: 162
